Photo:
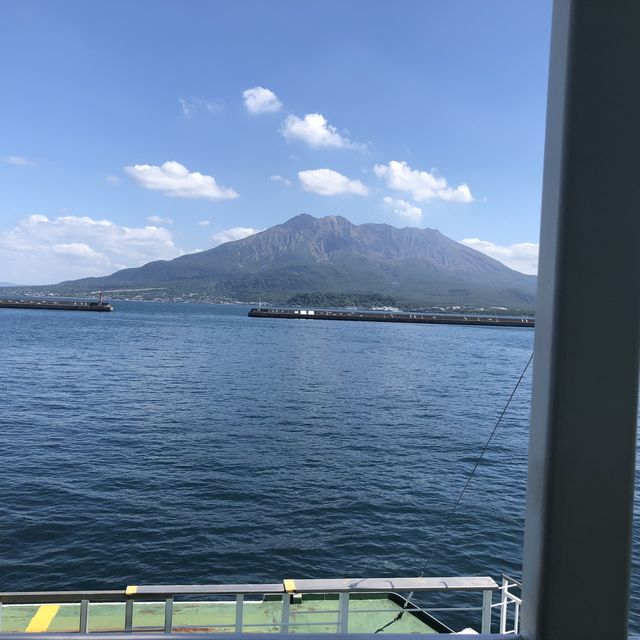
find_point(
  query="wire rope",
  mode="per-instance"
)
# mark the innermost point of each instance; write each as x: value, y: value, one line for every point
x: 452, y: 511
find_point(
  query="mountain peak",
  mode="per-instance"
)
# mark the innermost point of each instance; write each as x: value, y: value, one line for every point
x: 301, y: 218
x: 305, y: 220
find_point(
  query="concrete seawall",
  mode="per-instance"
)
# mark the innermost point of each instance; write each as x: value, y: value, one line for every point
x: 52, y: 305
x: 387, y: 316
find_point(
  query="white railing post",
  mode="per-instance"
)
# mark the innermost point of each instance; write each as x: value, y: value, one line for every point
x: 503, y: 605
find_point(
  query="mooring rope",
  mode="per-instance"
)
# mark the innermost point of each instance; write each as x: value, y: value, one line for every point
x: 452, y: 512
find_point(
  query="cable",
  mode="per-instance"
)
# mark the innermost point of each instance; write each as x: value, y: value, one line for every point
x: 445, y: 527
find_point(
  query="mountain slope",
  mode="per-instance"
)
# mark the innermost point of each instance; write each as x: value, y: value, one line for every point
x: 330, y: 255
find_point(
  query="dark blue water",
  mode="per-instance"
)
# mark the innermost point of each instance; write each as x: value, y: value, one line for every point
x: 169, y: 443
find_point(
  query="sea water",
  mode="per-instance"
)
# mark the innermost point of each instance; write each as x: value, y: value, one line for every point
x: 183, y: 443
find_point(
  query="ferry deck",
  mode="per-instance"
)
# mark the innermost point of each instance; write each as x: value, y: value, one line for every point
x: 355, y: 605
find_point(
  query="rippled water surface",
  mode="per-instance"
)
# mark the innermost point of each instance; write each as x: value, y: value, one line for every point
x: 168, y: 443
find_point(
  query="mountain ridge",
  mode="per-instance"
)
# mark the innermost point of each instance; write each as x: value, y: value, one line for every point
x: 331, y: 256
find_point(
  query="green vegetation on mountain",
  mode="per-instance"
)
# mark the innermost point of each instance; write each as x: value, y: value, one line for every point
x: 327, y: 260
x: 341, y: 300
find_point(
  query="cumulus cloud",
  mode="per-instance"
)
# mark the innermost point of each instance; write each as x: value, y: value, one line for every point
x: 229, y: 235
x: 79, y: 249
x: 204, y: 223
x: 315, y: 131
x: 261, y: 100
x: 522, y: 256
x: 327, y: 182
x: 403, y: 208
x: 19, y: 161
x: 42, y: 250
x: 159, y: 220
x: 174, y: 179
x: 113, y: 180
x: 189, y: 106
x: 422, y: 185
x: 284, y: 181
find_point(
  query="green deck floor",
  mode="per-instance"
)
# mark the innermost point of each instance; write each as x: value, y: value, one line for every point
x: 313, y: 615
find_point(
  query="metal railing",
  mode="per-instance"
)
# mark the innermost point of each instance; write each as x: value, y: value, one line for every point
x: 338, y: 591
x: 509, y: 605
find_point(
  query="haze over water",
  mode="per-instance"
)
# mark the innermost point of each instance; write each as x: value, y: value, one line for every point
x: 170, y: 443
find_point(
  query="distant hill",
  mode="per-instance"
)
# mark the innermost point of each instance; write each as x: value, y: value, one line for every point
x: 330, y: 260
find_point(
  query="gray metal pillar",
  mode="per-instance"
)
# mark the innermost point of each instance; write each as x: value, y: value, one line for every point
x: 286, y: 605
x: 83, y: 626
x: 343, y: 615
x: 585, y: 382
x: 128, y: 615
x: 239, y: 612
x: 487, y: 601
x: 168, y: 615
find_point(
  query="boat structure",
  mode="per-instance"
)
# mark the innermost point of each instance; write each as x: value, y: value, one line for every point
x: 389, y: 316
x: 329, y: 606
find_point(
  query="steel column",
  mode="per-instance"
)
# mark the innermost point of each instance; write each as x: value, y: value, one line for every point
x: 284, y: 622
x: 128, y: 615
x: 585, y: 381
x: 84, y: 616
x: 239, y: 612
x: 343, y: 615
x: 168, y: 615
x: 486, y: 611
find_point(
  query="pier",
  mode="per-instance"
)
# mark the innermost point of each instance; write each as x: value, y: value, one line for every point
x: 389, y: 316
x: 55, y: 305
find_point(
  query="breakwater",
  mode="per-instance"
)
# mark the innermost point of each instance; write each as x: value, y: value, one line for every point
x: 53, y: 305
x: 389, y: 316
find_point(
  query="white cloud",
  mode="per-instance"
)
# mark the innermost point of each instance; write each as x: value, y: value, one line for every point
x: 316, y: 132
x: 40, y: 250
x: 113, y: 180
x: 159, y: 220
x: 522, y: 256
x: 175, y: 180
x: 19, y: 161
x: 190, y: 105
x: 261, y: 100
x: 229, y: 235
x: 284, y: 181
x: 204, y: 223
x: 79, y: 249
x: 403, y: 208
x: 422, y: 185
x: 327, y: 182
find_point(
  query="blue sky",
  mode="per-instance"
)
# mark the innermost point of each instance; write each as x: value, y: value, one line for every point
x: 132, y: 131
